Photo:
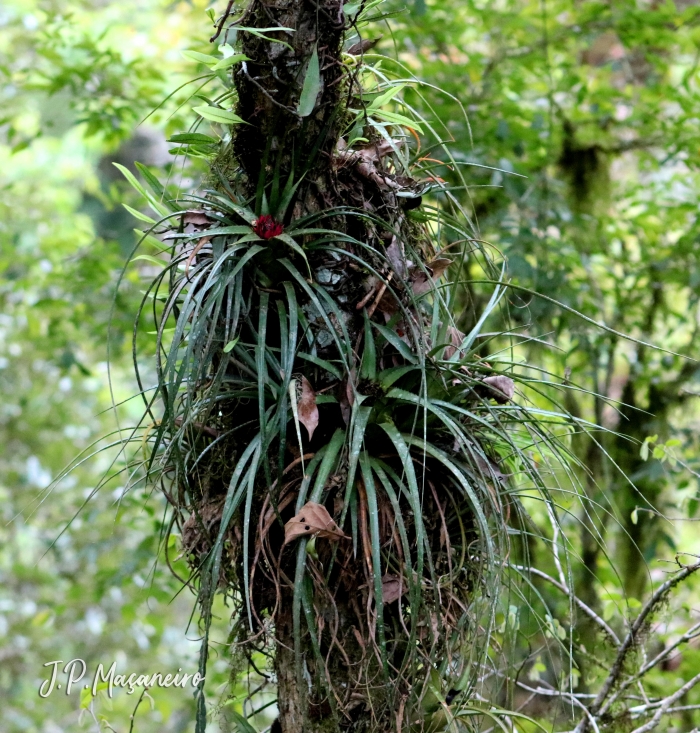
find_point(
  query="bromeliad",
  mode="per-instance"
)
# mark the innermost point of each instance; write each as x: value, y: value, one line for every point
x: 266, y: 227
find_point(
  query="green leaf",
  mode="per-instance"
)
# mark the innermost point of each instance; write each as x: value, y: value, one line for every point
x: 139, y: 215
x: 322, y: 363
x: 397, y: 119
x: 384, y: 98
x: 145, y: 238
x: 311, y: 548
x: 395, y: 340
x: 221, y: 231
x: 325, y: 399
x: 230, y: 61
x: 132, y: 179
x: 368, y: 369
x: 201, y: 58
x: 196, y: 138
x: 230, y: 345
x: 290, y: 241
x: 387, y: 377
x: 242, y: 723
x: 287, y: 193
x: 152, y: 260
x: 311, y: 88
x: 328, y: 464
x: 373, y: 511
x: 85, y: 698
x: 222, y: 116
x: 155, y: 205
x: 155, y: 185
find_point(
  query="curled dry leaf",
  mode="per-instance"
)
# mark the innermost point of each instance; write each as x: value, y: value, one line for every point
x: 500, y: 388
x: 357, y: 49
x: 456, y: 338
x: 313, y: 519
x: 394, y: 253
x: 393, y: 588
x: 364, y: 161
x: 438, y: 266
x: 422, y: 282
x: 306, y: 407
x: 374, y: 153
x: 388, y: 304
x: 196, y: 217
x: 372, y: 284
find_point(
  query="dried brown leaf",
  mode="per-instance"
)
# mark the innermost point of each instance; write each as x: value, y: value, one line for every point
x: 375, y: 152
x: 197, y: 217
x: 394, y: 253
x: 364, y: 161
x: 501, y: 388
x: 438, y: 266
x: 371, y: 284
x: 422, y: 282
x: 357, y: 49
x: 359, y: 639
x: 350, y: 392
x: 306, y: 407
x: 346, y: 396
x: 388, y: 304
x: 393, y: 588
x: 488, y: 467
x: 456, y: 338
x: 313, y: 519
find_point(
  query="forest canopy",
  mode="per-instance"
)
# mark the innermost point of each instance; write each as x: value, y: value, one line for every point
x: 523, y: 177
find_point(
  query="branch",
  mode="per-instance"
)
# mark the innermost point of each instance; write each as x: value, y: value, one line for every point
x: 598, y: 707
x: 222, y: 20
x: 138, y: 703
x: 667, y: 704
x: 692, y: 633
x: 560, y: 693
x: 585, y: 608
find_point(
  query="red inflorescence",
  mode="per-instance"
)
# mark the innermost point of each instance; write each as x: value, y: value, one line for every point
x: 267, y: 228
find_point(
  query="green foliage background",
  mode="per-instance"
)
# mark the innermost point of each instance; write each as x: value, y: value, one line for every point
x: 581, y: 149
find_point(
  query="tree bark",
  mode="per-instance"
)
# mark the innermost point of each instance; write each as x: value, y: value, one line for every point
x: 278, y: 142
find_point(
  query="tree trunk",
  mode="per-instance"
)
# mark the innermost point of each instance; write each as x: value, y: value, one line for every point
x: 278, y: 142
x: 389, y: 613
